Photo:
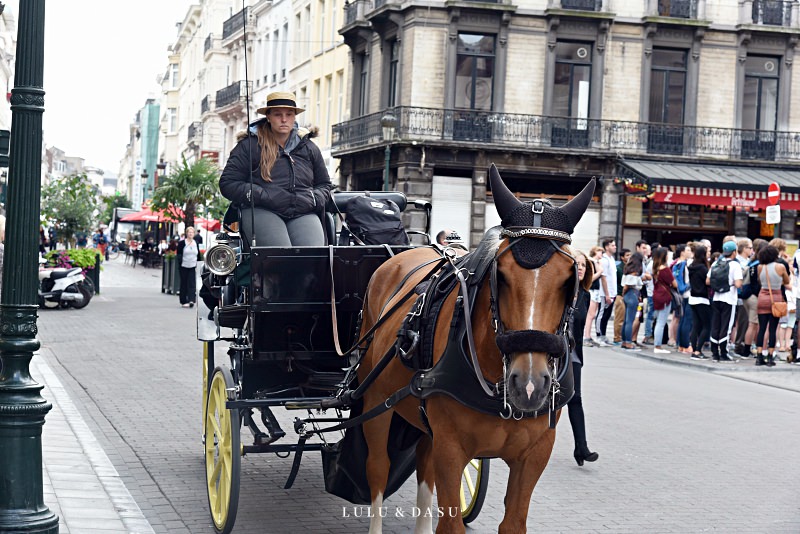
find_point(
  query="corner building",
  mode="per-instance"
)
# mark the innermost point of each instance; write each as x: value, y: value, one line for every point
x: 684, y: 110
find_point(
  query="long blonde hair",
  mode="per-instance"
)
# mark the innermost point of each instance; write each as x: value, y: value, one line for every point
x: 269, y: 150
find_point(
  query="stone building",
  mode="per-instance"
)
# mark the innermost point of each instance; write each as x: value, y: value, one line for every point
x: 683, y: 109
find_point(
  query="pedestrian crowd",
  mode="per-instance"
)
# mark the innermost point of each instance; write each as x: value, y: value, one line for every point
x: 725, y: 305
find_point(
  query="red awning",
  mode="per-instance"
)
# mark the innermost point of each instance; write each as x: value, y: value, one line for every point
x: 705, y: 196
x: 149, y: 215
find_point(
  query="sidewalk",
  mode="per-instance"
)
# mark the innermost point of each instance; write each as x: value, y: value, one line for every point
x: 81, y: 485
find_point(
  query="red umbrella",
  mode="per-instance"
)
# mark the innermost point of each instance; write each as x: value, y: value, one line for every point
x: 212, y: 225
x: 149, y: 215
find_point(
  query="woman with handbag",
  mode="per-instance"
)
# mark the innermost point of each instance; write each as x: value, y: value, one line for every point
x: 662, y: 296
x: 771, y: 305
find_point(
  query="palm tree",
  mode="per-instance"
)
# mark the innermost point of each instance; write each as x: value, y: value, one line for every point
x: 188, y: 187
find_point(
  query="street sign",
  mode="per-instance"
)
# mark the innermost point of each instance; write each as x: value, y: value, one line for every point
x: 774, y: 193
x: 773, y: 214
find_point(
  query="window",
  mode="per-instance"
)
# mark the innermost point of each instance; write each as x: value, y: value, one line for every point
x: 572, y: 83
x: 394, y: 60
x: 276, y: 35
x: 340, y: 85
x: 333, y: 21
x: 322, y: 27
x: 172, y: 120
x: 267, y: 55
x: 308, y: 33
x: 363, y: 84
x: 173, y: 75
x: 667, y: 101
x: 283, y: 50
x: 328, y: 102
x: 318, y: 101
x: 474, y: 71
x: 760, y: 107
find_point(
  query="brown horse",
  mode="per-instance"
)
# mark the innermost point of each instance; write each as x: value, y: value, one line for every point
x: 527, y: 299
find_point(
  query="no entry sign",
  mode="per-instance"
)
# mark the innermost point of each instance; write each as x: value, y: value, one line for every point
x: 774, y: 193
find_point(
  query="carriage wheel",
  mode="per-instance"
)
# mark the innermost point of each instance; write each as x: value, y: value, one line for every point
x: 474, y: 483
x: 206, y: 384
x: 223, y: 453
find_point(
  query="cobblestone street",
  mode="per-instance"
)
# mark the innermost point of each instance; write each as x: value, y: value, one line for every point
x: 681, y: 449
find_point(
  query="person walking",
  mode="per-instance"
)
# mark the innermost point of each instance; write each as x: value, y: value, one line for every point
x: 188, y: 257
x: 594, y: 293
x: 773, y: 276
x: 575, y: 405
x: 683, y: 324
x: 608, y: 289
x: 725, y: 278
x: 698, y: 302
x: 631, y: 290
x: 619, y: 303
x: 662, y: 297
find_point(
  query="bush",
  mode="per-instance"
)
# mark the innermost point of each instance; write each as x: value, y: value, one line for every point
x: 84, y: 258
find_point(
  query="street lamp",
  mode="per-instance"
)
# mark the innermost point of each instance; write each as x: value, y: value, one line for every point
x: 388, y: 125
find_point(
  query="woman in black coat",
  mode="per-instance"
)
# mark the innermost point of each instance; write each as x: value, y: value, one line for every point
x: 575, y: 405
x: 289, y: 185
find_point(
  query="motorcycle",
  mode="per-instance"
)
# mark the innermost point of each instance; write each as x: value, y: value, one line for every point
x: 63, y: 288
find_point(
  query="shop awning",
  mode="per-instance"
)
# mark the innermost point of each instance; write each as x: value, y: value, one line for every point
x: 717, y: 185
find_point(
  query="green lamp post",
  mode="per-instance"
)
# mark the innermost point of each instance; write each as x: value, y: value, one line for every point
x: 22, y: 408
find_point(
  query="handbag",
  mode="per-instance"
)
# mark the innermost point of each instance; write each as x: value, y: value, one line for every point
x: 677, y: 302
x: 779, y: 309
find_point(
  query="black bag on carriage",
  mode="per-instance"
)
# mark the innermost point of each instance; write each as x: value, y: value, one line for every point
x: 374, y: 222
x: 344, y: 463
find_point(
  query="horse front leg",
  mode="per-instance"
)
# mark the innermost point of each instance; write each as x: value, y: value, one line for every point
x: 425, y: 484
x: 449, y: 461
x: 522, y: 478
x: 376, y: 433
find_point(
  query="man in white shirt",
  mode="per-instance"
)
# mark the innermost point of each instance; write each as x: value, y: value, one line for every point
x: 608, y: 288
x: 723, y: 305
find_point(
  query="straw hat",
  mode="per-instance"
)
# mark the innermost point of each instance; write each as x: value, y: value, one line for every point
x: 280, y: 100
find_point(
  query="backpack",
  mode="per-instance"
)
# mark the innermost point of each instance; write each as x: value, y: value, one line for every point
x: 679, y: 273
x: 751, y: 285
x: 375, y: 222
x: 719, y: 276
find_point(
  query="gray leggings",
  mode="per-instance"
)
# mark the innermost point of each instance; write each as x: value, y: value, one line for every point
x: 273, y: 231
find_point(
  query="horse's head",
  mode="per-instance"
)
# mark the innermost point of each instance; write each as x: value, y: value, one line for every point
x: 534, y: 282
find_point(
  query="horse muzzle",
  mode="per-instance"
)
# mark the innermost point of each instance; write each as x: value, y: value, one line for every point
x: 529, y: 382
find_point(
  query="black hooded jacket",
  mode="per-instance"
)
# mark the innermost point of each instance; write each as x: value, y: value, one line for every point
x: 300, y: 182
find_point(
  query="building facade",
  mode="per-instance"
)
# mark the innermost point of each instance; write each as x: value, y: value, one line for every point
x: 684, y: 110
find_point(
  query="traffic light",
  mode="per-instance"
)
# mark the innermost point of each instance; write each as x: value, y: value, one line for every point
x: 5, y: 142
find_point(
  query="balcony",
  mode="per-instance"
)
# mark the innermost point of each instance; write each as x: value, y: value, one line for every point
x: 195, y: 132
x: 235, y: 23
x: 356, y: 11
x: 772, y: 12
x: 205, y: 105
x: 236, y: 92
x: 681, y: 9
x: 601, y: 137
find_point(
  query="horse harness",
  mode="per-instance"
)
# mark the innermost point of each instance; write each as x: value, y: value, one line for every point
x: 457, y: 373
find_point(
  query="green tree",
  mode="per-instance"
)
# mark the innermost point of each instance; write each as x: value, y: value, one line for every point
x: 70, y: 202
x: 188, y: 187
x: 110, y: 202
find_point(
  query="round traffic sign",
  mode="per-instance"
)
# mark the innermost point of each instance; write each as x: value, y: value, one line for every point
x: 774, y: 193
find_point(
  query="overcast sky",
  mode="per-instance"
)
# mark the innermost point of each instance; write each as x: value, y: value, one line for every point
x: 101, y: 63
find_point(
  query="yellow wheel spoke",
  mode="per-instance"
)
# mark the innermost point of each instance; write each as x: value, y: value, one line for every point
x: 462, y: 498
x: 468, y: 480
x: 475, y: 463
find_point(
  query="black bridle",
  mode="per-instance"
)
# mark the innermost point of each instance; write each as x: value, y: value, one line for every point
x: 555, y: 345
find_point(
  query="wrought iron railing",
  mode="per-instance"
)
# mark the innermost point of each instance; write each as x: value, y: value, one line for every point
x: 235, y: 23
x: 582, y: 5
x: 772, y: 12
x: 209, y: 43
x: 591, y: 135
x: 194, y: 131
x: 233, y: 93
x: 205, y: 105
x: 684, y: 9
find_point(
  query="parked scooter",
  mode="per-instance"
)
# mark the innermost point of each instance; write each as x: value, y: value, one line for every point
x: 63, y: 288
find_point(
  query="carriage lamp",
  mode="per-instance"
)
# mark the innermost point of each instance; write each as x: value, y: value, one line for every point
x: 220, y: 259
x: 388, y: 125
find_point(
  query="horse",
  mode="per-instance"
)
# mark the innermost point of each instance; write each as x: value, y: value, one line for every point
x: 522, y: 301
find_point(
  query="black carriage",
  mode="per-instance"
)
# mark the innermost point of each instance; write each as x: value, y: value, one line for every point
x: 273, y: 322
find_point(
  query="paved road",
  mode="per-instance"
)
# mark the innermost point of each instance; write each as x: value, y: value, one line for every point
x: 681, y: 449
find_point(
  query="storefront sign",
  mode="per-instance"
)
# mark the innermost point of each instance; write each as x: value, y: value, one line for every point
x: 213, y: 155
x: 737, y: 202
